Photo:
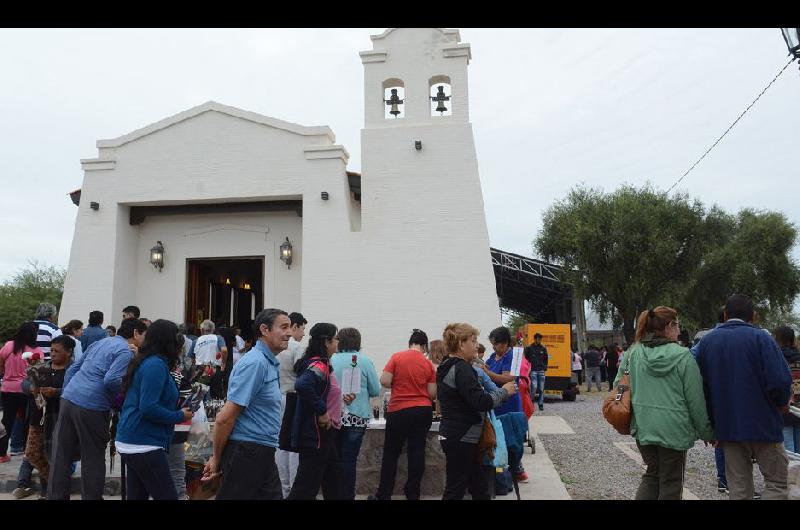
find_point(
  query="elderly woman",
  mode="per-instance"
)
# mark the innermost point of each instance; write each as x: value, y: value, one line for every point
x: 464, y: 406
x: 669, y: 409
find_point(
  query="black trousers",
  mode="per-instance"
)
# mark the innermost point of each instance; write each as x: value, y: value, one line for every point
x: 319, y: 468
x: 612, y: 374
x: 463, y: 470
x: 12, y: 402
x: 663, y: 479
x: 149, y: 476
x: 85, y: 432
x: 249, y: 472
x: 407, y: 425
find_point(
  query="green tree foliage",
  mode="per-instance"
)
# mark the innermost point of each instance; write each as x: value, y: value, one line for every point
x: 26, y: 290
x: 637, y: 248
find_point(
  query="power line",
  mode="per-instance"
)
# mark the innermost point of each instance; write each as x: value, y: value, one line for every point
x: 732, y: 125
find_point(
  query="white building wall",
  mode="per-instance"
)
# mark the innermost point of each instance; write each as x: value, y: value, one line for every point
x: 163, y: 294
x: 413, y: 254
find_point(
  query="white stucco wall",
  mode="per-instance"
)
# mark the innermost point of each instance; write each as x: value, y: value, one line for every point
x: 413, y: 254
x: 212, y: 236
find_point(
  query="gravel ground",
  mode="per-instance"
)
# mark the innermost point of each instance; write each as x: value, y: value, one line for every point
x: 592, y: 467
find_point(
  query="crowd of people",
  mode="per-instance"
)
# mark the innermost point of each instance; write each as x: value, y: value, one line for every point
x: 733, y: 390
x: 295, y: 414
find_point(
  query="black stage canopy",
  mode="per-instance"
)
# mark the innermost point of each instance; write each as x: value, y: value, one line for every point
x: 532, y: 286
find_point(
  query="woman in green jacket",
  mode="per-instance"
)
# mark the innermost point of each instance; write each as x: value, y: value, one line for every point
x: 669, y: 408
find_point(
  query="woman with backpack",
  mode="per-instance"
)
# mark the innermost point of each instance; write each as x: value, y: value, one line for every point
x: 148, y: 416
x: 669, y: 408
x: 13, y: 371
x: 317, y: 419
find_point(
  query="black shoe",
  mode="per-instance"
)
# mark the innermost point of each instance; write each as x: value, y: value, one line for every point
x: 373, y: 498
x: 722, y: 487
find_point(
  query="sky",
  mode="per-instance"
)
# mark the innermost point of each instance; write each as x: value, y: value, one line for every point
x: 550, y: 109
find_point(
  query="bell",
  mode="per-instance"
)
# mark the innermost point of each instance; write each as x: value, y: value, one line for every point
x: 393, y: 101
x: 440, y: 98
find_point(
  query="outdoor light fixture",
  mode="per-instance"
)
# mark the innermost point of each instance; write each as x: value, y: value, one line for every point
x: 94, y: 205
x: 246, y: 287
x: 286, y: 253
x: 157, y: 256
x: 325, y: 196
x: 792, y: 38
x: 227, y: 281
x: 418, y: 145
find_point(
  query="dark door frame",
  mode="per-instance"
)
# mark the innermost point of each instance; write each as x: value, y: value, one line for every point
x: 261, y: 258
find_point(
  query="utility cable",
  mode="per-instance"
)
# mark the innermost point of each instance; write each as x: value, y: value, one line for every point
x: 731, y: 127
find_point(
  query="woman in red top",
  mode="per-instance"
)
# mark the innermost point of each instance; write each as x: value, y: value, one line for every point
x: 12, y: 369
x: 412, y: 380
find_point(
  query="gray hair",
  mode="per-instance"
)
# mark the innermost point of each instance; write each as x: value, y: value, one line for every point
x: 267, y: 316
x: 207, y: 326
x: 46, y: 311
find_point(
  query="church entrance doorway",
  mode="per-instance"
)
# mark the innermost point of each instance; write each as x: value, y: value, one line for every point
x: 228, y: 291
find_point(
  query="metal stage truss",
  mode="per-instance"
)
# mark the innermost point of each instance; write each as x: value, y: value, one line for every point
x: 531, y: 286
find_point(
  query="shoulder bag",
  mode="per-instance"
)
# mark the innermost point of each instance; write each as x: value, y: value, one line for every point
x: 617, y: 408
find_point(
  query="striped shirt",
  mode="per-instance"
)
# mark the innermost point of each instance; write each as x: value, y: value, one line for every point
x: 47, y: 332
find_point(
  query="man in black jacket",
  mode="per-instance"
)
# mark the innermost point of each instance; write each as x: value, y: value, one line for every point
x: 592, y: 359
x: 536, y: 354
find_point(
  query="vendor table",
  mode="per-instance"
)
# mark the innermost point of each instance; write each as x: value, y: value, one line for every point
x: 368, y: 469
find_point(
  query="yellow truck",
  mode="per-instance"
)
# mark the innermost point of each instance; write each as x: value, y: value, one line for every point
x: 556, y: 338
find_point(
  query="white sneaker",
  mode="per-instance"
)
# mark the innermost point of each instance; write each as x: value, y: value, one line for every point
x: 21, y: 493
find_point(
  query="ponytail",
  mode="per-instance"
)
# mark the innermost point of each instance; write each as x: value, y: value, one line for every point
x: 654, y: 321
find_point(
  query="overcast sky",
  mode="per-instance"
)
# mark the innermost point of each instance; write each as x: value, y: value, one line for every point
x: 551, y: 108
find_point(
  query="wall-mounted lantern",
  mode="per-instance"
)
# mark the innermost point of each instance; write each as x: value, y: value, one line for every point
x: 792, y: 38
x: 246, y: 286
x: 157, y: 256
x: 286, y: 253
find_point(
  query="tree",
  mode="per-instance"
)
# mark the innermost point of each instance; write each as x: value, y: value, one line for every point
x: 637, y: 248
x: 622, y: 251
x: 20, y: 296
x: 749, y: 255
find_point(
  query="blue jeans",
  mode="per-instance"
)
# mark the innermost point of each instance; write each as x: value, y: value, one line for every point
x: 349, y: 441
x: 18, y: 438
x: 537, y: 381
x: 24, y: 476
x: 791, y: 438
x: 719, y: 456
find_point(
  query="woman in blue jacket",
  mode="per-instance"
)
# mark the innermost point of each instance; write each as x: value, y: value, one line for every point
x: 148, y: 416
x: 316, y: 419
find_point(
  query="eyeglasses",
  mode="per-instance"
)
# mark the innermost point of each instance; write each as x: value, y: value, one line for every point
x: 677, y: 324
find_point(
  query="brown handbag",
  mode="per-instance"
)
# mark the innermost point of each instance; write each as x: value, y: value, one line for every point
x: 617, y: 408
x: 487, y: 441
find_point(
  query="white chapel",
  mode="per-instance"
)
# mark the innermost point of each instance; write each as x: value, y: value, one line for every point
x: 254, y: 212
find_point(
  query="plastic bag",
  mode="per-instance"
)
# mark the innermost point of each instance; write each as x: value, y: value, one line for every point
x: 198, y: 443
x: 500, y: 451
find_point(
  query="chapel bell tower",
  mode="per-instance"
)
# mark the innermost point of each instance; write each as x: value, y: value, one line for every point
x: 420, y: 188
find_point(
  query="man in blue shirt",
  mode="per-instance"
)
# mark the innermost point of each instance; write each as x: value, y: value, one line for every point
x: 748, y: 386
x: 94, y: 331
x: 246, y: 429
x: 90, y: 388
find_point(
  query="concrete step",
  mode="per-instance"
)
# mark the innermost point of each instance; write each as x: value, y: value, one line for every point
x: 9, y: 472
